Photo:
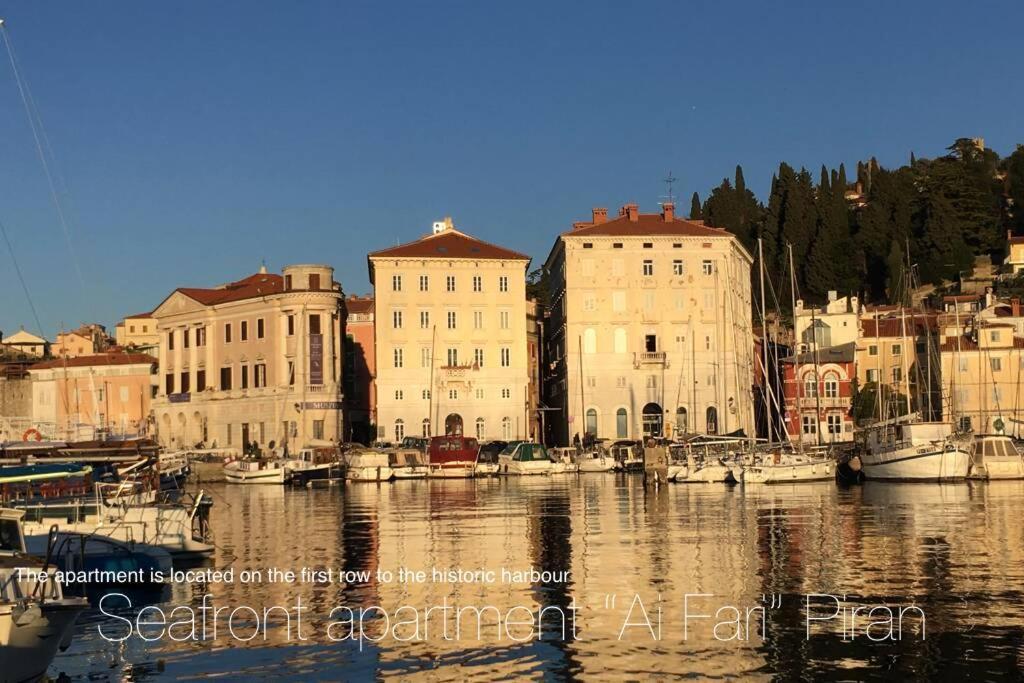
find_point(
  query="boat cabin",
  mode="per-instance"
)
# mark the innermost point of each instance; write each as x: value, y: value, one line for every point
x: 448, y: 450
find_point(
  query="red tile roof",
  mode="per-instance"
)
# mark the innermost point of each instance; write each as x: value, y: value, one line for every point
x: 968, y: 344
x: 140, y: 315
x: 356, y: 304
x: 1016, y: 239
x: 962, y: 297
x: 894, y: 326
x: 449, y: 244
x: 259, y: 284
x: 646, y: 224
x: 96, y: 359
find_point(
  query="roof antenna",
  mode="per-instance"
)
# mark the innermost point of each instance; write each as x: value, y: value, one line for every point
x: 669, y: 180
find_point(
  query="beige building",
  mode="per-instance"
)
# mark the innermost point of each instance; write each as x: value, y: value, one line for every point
x: 138, y: 332
x: 833, y: 324
x: 450, y: 317
x: 650, y: 328
x: 253, y: 361
x: 981, y: 375
x: 86, y: 340
x: 25, y: 344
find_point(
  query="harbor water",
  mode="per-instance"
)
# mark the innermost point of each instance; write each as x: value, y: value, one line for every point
x: 634, y: 565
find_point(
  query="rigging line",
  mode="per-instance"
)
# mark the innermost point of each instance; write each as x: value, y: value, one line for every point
x: 25, y: 99
x: 21, y: 278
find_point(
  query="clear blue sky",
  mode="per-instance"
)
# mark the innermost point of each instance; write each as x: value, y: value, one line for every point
x: 199, y: 138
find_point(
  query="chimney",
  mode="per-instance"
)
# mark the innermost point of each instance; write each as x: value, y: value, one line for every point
x: 600, y: 215
x: 668, y: 212
x: 1015, y: 306
x: 630, y: 211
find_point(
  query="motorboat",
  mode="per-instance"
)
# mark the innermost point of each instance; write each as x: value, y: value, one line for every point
x: 407, y: 463
x: 255, y: 471
x: 597, y: 459
x: 995, y: 456
x: 704, y: 460
x: 563, y: 460
x: 524, y: 458
x: 94, y: 554
x: 365, y: 464
x: 783, y: 466
x: 313, y: 463
x: 487, y: 458
x: 628, y: 456
x: 907, y: 449
x: 453, y: 456
x: 36, y: 619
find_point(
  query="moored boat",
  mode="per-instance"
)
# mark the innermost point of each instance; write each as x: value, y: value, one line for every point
x: 252, y: 471
x: 364, y: 464
x: 524, y: 458
x: 453, y: 456
x: 905, y: 449
x: 995, y: 456
x: 780, y: 466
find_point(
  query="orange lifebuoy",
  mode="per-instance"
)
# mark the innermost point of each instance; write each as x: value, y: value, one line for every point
x: 31, y: 431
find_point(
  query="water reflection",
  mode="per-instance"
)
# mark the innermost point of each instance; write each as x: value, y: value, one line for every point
x: 956, y: 551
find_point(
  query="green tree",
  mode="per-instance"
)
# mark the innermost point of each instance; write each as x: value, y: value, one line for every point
x: 696, y: 213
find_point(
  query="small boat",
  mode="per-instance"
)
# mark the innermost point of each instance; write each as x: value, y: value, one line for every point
x: 487, y: 458
x: 453, y: 456
x: 780, y: 466
x: 408, y: 464
x: 564, y: 460
x: 704, y: 460
x: 36, y: 619
x: 313, y: 463
x: 253, y: 471
x: 76, y: 552
x: 524, y: 458
x: 995, y: 456
x: 628, y: 456
x: 906, y: 449
x: 364, y: 464
x: 597, y: 459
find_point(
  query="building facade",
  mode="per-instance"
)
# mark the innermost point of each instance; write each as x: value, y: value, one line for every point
x: 818, y: 388
x: 138, y: 332
x: 450, y: 314
x: 649, y: 329
x: 84, y: 397
x: 360, y: 370
x: 833, y: 324
x: 257, y: 361
x: 25, y: 344
x: 981, y: 374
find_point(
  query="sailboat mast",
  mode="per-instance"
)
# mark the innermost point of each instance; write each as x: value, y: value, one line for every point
x: 796, y: 356
x: 764, y: 345
x: 430, y: 407
x: 583, y: 401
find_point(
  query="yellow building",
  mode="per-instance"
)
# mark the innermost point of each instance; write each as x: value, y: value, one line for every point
x: 253, y: 361
x: 138, y: 332
x: 25, y: 344
x: 982, y: 372
x: 650, y: 324
x: 1015, y: 258
x: 451, y: 349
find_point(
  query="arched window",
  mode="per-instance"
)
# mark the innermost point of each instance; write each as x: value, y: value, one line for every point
x: 620, y: 340
x: 831, y: 385
x: 621, y: 424
x: 712, y: 418
x: 426, y: 428
x: 592, y: 422
x: 506, y: 428
x: 480, y: 428
x: 810, y: 385
x: 589, y: 340
x: 399, y: 430
x: 681, y: 425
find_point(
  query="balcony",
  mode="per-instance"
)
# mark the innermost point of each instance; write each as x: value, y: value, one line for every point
x: 813, y: 402
x: 458, y: 371
x: 650, y: 358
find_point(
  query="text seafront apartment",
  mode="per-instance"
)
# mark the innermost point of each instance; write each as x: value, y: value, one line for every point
x: 450, y: 320
x: 254, y: 361
x: 650, y: 330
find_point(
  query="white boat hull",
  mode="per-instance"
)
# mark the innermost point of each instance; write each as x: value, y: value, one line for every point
x: 784, y: 473
x: 917, y: 463
x: 369, y: 473
x: 486, y: 469
x: 411, y: 472
x: 467, y: 471
x: 29, y: 639
x: 274, y: 475
x: 709, y: 474
x: 596, y: 465
x: 1000, y: 467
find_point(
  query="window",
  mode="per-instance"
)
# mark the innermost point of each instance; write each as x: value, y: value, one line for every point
x: 503, y: 319
x: 201, y: 336
x: 993, y: 335
x: 225, y: 378
x: 835, y: 424
x: 314, y: 281
x: 873, y: 350
x: 480, y: 428
x: 591, y: 427
x: 424, y: 283
x: 227, y: 333
x: 831, y: 387
x: 616, y: 245
x: 449, y: 283
x: 426, y: 428
x: 506, y: 392
x: 244, y: 384
x: 314, y: 323
x: 592, y: 382
x: 478, y: 357
x: 478, y: 320
x: 897, y: 349
x: 453, y: 394
x: 396, y: 319
x: 997, y: 394
x: 506, y: 428
x: 479, y: 394
x: 588, y: 245
x: 996, y: 364
x: 425, y: 357
x: 589, y: 302
x: 872, y: 375
x: 168, y: 383
x: 503, y: 283
x: 648, y: 245
x: 707, y: 267
x: 451, y: 320
x: 808, y: 425
x: 200, y: 383
x: 621, y: 424
x: 244, y: 333
x: 260, y: 331
x: 681, y: 422
x: 620, y: 340
x: 170, y: 339
x: 399, y: 394
x: 711, y: 417
x: 478, y: 283
x: 648, y: 267
x: 677, y: 267
x: 897, y: 374
x: 185, y: 383
x: 453, y: 358
x: 652, y: 381
x: 287, y: 282
x: 259, y: 375
x: 396, y: 283
x: 620, y: 382
x: 964, y: 363
x: 186, y: 337
x: 399, y: 430
x: 426, y: 394
x: 291, y: 373
x: 810, y: 386
x: 123, y: 394
x: 650, y: 343
x: 506, y: 357
x: 398, y: 358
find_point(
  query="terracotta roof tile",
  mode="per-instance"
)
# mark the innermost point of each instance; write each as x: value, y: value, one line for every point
x: 646, y: 224
x: 449, y: 244
x: 953, y: 345
x: 356, y: 304
x: 259, y: 284
x: 96, y: 359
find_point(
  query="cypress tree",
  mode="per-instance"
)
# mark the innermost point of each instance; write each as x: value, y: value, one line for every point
x: 695, y: 211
